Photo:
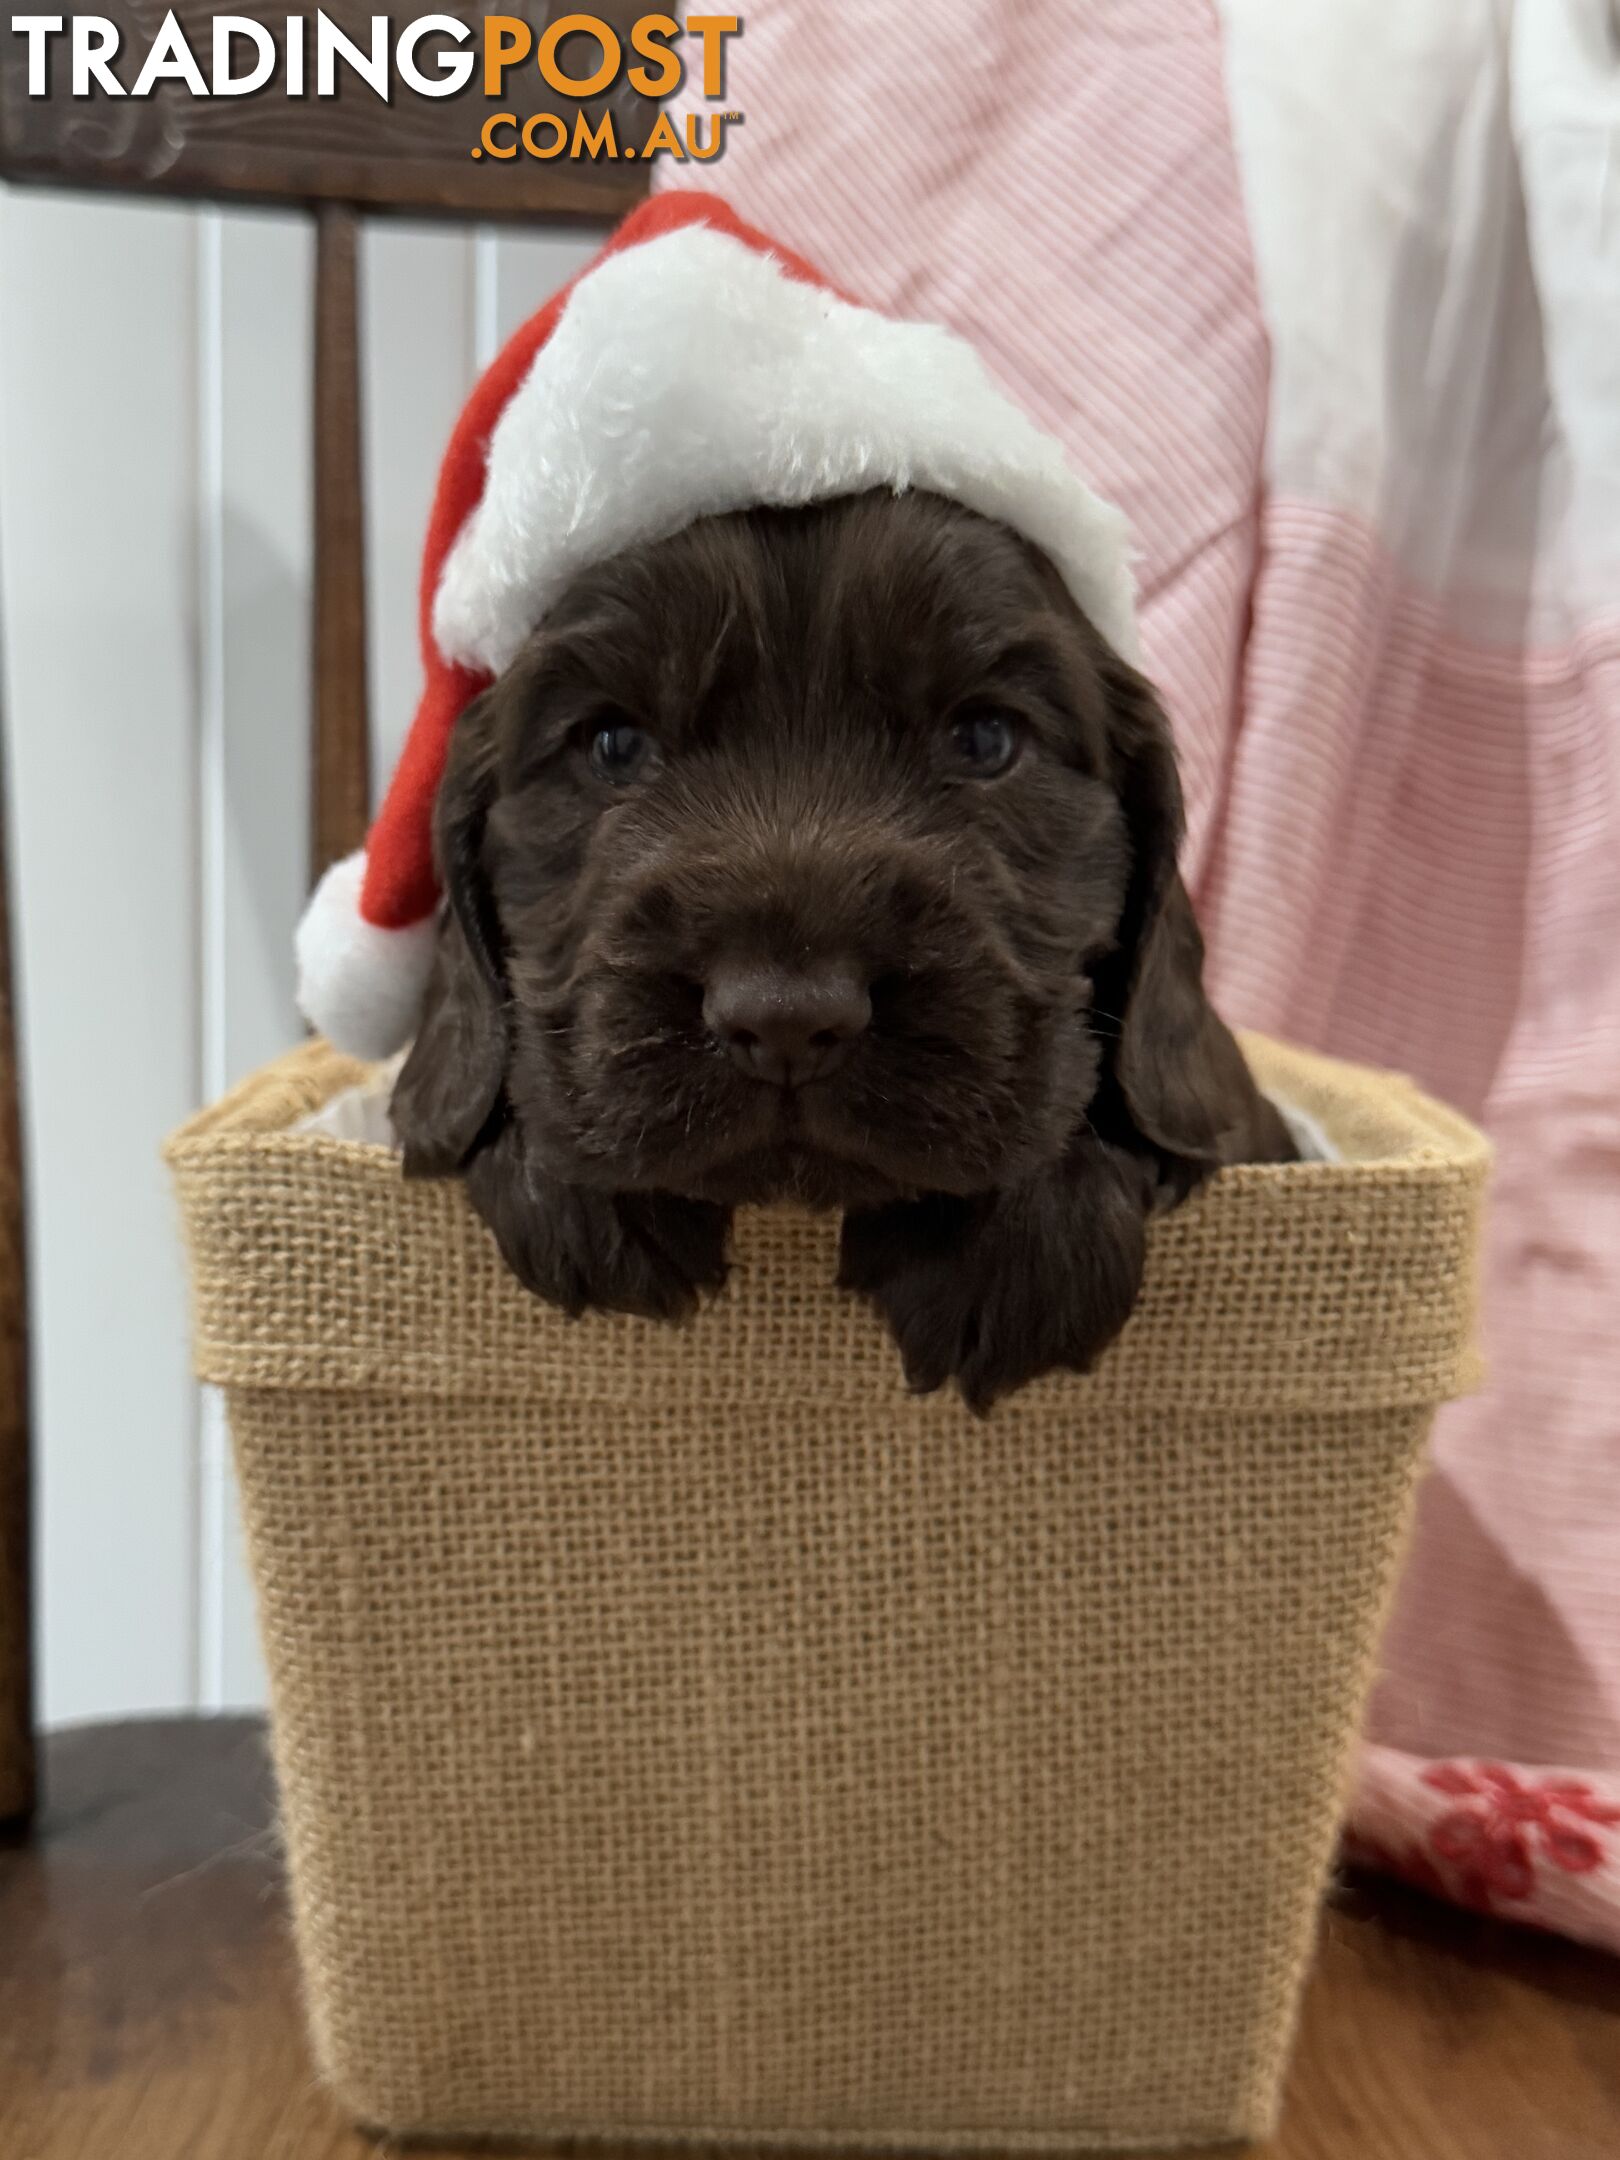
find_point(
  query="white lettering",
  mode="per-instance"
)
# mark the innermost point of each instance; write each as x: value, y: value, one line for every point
x: 454, y: 68
x: 170, y: 60
x: 331, y: 45
x: 91, y: 59
x: 36, y: 29
x: 227, y: 27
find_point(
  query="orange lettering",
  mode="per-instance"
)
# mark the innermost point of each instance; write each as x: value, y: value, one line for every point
x: 713, y: 30
x: 579, y: 86
x: 650, y: 38
x: 507, y: 39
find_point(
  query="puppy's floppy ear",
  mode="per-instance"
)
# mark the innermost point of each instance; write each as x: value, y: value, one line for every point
x: 449, y: 1088
x: 1180, y: 1072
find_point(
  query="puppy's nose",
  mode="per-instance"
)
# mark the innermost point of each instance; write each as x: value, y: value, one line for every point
x: 786, y: 1025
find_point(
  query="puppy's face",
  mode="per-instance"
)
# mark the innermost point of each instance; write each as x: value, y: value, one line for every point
x: 826, y: 853
x: 803, y: 850
x: 792, y: 847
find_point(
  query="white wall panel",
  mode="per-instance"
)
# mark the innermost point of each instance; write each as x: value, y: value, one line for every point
x: 98, y: 391
x: 155, y: 573
x: 419, y: 348
x: 529, y: 267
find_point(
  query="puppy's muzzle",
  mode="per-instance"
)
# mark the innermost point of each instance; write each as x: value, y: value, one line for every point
x: 787, y: 1026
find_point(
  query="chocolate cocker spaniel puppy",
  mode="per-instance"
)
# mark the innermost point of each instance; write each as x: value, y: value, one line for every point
x: 827, y: 854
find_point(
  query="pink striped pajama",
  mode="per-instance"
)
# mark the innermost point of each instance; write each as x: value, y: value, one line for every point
x: 1329, y: 301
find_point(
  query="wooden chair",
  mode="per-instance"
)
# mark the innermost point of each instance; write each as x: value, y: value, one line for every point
x: 335, y: 158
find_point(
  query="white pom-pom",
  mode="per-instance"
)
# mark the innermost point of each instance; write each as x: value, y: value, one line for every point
x: 361, y: 986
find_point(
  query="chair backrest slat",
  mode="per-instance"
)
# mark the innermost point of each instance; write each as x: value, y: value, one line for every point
x: 340, y: 769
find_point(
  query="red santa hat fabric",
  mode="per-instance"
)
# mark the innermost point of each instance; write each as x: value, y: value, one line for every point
x: 692, y: 367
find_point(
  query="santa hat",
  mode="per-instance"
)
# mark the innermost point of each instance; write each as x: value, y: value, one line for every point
x: 692, y: 367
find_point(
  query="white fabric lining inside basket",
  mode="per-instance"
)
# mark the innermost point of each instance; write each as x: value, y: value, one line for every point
x: 361, y: 1114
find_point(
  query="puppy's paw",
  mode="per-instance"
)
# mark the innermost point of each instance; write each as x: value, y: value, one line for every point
x: 993, y: 1291
x: 587, y: 1251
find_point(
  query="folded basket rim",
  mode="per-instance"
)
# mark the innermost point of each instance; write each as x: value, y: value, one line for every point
x: 1340, y: 1285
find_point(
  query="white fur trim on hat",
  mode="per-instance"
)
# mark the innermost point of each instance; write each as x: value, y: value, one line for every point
x: 692, y: 375
x: 360, y: 985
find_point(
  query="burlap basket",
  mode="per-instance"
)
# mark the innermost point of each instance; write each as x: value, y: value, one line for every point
x: 688, y: 1734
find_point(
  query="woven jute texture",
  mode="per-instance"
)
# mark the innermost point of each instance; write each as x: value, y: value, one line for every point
x: 689, y: 1734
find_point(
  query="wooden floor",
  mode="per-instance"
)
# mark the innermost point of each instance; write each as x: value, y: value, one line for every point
x: 148, y: 2007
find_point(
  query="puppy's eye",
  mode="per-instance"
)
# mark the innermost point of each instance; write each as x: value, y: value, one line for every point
x: 621, y: 752
x: 984, y: 743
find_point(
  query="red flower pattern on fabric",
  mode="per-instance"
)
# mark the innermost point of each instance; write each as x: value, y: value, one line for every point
x: 1502, y: 1822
